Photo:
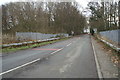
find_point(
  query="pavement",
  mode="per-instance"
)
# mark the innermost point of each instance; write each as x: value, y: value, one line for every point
x: 107, y: 67
x: 72, y: 58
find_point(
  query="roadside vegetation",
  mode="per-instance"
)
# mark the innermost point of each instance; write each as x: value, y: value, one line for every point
x: 104, y: 15
x: 17, y: 48
x: 41, y: 17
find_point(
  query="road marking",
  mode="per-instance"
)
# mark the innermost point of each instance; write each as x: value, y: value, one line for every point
x: 97, y: 63
x: 19, y: 66
x: 69, y: 44
x: 44, y: 49
x: 56, y: 51
x: 26, y: 64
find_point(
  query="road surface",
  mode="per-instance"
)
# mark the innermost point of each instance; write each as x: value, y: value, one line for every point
x: 72, y: 58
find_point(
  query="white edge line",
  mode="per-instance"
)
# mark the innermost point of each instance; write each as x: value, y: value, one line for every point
x: 26, y: 64
x: 97, y: 63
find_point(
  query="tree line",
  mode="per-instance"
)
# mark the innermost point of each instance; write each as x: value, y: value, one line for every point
x: 43, y: 17
x: 105, y: 15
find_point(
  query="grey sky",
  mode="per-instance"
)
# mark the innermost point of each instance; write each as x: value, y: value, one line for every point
x: 83, y: 3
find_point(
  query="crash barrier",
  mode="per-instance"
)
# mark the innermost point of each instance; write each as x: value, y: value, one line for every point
x: 29, y: 42
x: 111, y: 38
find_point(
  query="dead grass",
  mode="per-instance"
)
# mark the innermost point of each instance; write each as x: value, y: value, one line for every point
x: 7, y: 39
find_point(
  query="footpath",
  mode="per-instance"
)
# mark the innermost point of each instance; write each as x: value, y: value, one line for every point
x: 108, y: 62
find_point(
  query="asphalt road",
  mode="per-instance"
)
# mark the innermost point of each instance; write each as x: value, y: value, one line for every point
x: 72, y: 58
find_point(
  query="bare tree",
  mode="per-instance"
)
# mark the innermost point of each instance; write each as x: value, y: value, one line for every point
x: 44, y: 17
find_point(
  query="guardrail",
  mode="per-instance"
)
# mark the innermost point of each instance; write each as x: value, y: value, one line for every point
x: 25, y: 43
x: 111, y: 45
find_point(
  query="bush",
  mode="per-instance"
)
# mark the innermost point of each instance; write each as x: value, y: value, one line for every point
x: 8, y: 39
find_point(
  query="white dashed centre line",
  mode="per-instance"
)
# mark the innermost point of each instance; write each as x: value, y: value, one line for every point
x: 69, y: 44
x: 26, y: 64
x: 19, y: 66
x: 56, y: 51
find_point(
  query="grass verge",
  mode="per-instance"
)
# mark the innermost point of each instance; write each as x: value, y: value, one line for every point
x: 14, y: 49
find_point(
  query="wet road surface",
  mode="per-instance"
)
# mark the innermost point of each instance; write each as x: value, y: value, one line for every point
x: 72, y: 58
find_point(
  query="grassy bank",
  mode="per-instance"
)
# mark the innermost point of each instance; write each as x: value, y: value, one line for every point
x: 13, y: 49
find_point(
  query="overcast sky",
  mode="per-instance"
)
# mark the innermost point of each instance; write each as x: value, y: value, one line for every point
x: 83, y: 3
